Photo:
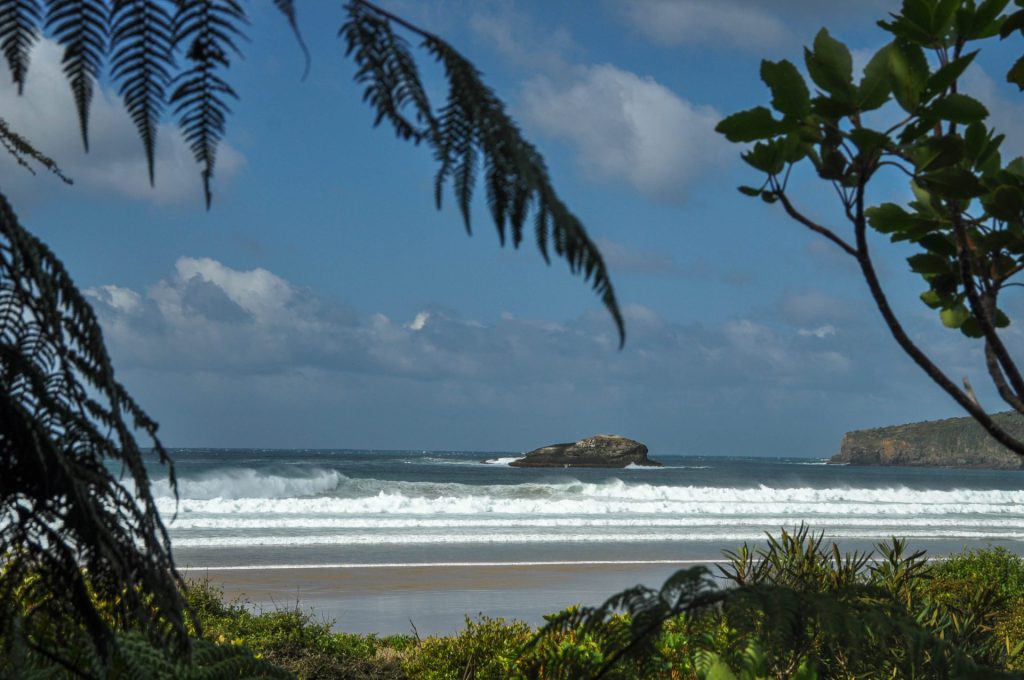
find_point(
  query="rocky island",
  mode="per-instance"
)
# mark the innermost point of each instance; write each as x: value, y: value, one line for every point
x: 602, y: 451
x: 954, y: 442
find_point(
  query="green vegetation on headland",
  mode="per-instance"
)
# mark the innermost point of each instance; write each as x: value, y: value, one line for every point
x: 953, y: 442
x: 791, y: 608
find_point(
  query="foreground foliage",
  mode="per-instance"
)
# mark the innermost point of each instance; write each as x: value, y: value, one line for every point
x: 907, y: 117
x: 791, y: 608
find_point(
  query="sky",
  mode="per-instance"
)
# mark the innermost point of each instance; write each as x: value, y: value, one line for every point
x: 323, y: 301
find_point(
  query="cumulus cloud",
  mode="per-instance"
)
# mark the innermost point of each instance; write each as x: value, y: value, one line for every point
x: 219, y: 353
x: 46, y: 115
x: 750, y: 25
x: 707, y: 22
x: 627, y: 128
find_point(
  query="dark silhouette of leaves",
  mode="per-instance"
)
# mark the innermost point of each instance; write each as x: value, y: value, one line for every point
x: 19, y: 30
x: 69, y: 528
x: 141, y: 58
x: 209, y: 28
x: 81, y: 27
x: 471, y: 130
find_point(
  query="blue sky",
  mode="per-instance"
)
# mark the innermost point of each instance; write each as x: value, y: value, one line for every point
x: 324, y: 302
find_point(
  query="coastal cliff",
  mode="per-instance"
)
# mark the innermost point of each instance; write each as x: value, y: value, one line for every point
x: 954, y: 442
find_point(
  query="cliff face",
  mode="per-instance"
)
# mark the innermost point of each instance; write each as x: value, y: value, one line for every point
x: 955, y: 442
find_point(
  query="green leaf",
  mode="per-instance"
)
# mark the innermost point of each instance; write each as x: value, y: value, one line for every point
x: 929, y: 263
x: 948, y: 74
x: 975, y: 138
x: 750, y: 125
x: 830, y: 65
x: 868, y: 140
x: 971, y: 328
x: 939, y: 152
x: 1014, y: 22
x: 985, y: 23
x: 932, y: 299
x: 790, y: 95
x: 908, y: 73
x: 954, y: 317
x: 1016, y: 74
x: 874, y: 86
x: 888, y: 218
x: 959, y: 108
x: 939, y: 244
x: 952, y: 183
x: 749, y: 191
x: 767, y: 157
x: 942, y: 19
x: 1007, y: 203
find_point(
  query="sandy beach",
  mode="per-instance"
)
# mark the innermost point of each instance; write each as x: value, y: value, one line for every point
x: 435, y: 598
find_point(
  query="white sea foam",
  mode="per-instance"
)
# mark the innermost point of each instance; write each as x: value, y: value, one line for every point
x: 503, y: 461
x: 250, y: 483
x: 557, y: 537
x: 374, y: 497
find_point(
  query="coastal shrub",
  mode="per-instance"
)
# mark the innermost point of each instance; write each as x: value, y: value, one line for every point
x: 294, y: 640
x: 486, y: 649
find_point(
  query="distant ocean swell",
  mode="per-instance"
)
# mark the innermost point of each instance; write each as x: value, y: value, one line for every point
x: 320, y: 506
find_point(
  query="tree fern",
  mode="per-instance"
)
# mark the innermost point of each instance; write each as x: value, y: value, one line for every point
x: 209, y: 29
x: 71, y: 534
x: 19, y: 31
x: 81, y: 27
x: 141, y: 59
x: 472, y: 130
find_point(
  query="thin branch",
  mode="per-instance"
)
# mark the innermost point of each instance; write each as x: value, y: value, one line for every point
x: 999, y: 378
x: 814, y: 226
x: 982, y: 309
x: 913, y: 351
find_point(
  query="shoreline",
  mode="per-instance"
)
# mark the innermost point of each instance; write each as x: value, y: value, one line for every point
x: 432, y: 599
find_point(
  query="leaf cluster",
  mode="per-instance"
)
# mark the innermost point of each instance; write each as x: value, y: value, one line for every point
x: 905, y: 114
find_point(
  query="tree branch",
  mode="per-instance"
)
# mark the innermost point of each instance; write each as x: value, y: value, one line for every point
x: 913, y: 351
x: 814, y: 226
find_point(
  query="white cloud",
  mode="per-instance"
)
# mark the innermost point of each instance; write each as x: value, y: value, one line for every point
x: 628, y: 128
x: 46, y: 115
x: 208, y: 340
x: 707, y: 22
x: 821, y: 332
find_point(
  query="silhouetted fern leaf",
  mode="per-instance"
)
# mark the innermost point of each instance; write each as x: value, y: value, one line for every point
x: 141, y: 57
x: 70, y: 532
x: 471, y: 126
x: 23, y: 152
x: 209, y: 28
x: 81, y: 28
x: 19, y: 30
x: 287, y: 7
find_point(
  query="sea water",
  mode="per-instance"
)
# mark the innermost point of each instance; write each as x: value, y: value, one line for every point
x: 283, y: 508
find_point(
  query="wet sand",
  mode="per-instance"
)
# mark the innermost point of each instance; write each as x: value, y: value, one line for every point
x: 436, y: 599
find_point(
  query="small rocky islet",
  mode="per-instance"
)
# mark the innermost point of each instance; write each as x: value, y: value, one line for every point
x: 599, y: 451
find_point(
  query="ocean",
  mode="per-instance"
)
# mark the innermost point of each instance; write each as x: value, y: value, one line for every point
x: 374, y: 539
x: 276, y: 508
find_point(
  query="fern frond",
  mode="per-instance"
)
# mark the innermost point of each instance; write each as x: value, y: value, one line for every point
x: 287, y: 8
x: 141, y: 60
x: 81, y: 28
x: 210, y: 29
x: 19, y: 31
x: 71, y: 534
x: 472, y: 126
x: 23, y: 152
